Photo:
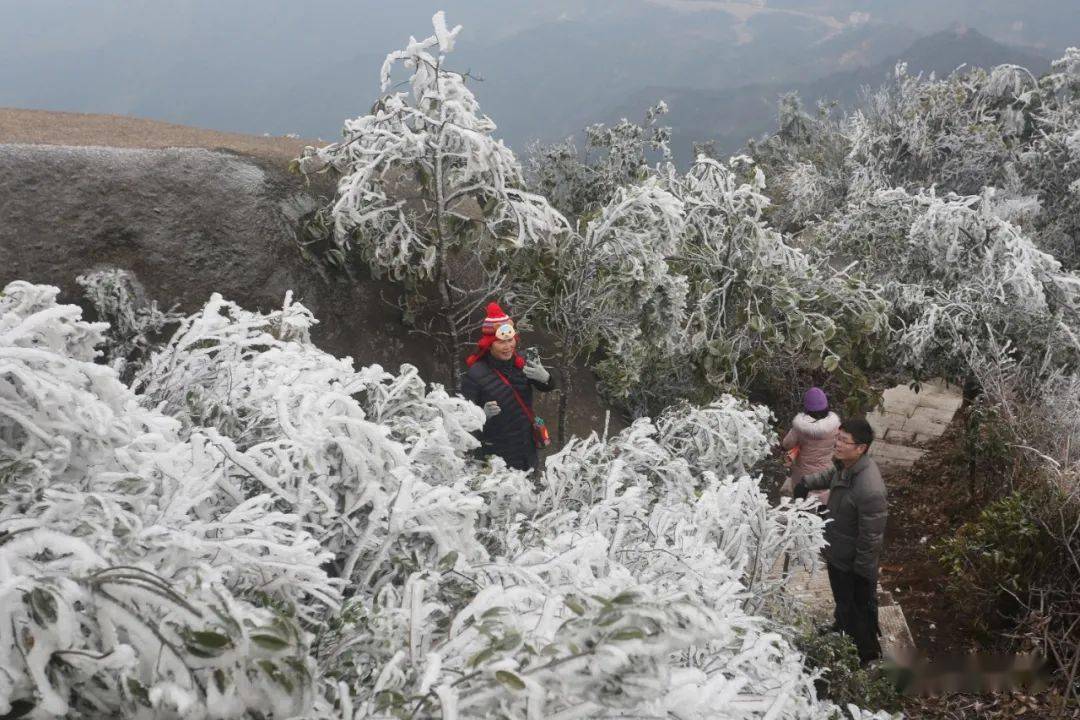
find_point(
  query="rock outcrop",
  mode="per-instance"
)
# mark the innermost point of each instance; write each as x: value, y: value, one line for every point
x: 187, y: 222
x: 190, y: 221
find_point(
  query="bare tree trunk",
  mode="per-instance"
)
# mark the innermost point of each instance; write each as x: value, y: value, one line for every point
x: 565, y: 388
x: 971, y: 473
x: 453, y: 331
x: 442, y: 278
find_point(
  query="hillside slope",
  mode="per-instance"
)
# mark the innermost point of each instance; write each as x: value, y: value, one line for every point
x: 45, y: 127
x: 192, y: 212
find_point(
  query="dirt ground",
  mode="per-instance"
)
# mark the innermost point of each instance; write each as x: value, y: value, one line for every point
x: 46, y: 127
x: 927, y: 504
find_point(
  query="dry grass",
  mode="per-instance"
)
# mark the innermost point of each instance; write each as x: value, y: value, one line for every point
x: 45, y: 127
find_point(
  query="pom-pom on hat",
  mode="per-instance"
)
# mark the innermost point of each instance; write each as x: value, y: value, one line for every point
x: 815, y: 400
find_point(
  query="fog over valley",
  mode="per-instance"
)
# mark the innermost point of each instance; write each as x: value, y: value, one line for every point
x: 543, y: 70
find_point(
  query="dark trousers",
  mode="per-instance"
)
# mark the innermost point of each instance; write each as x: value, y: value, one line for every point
x: 856, y: 611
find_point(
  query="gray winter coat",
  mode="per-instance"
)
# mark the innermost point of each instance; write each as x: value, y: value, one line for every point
x: 857, y: 511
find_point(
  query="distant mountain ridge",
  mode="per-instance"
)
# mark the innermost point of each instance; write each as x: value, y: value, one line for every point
x: 549, y: 68
x: 733, y: 116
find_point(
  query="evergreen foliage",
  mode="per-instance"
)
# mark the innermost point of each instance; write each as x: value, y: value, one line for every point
x: 264, y: 530
x: 427, y: 195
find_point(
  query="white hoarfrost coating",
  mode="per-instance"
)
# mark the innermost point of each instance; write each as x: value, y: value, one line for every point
x: 966, y: 287
x: 264, y: 528
x: 423, y: 173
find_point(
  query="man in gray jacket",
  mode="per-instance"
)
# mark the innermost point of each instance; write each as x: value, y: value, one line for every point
x: 856, y: 528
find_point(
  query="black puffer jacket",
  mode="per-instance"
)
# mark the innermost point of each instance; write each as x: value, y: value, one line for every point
x: 508, y: 434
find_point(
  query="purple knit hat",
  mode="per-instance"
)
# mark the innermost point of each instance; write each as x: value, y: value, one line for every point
x: 814, y: 400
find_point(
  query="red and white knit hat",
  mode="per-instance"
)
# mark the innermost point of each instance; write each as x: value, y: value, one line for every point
x: 497, y: 326
x: 498, y: 323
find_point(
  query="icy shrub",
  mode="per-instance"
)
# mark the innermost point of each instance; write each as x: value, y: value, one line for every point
x: 966, y: 288
x: 135, y: 323
x: 123, y: 563
x: 195, y: 564
x: 841, y: 679
x: 629, y: 582
x: 345, y: 450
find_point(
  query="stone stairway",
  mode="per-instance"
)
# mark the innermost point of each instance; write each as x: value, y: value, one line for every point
x: 905, y: 421
x: 908, y: 419
x: 810, y: 591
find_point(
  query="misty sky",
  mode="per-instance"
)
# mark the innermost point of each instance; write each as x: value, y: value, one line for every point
x: 548, y: 66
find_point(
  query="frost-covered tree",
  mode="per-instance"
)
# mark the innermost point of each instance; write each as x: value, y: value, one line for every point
x: 948, y: 194
x: 128, y: 578
x: 680, y: 288
x: 579, y: 183
x: 167, y: 553
x: 1050, y: 163
x: 592, y: 288
x: 806, y: 163
x: 610, y: 290
x: 1001, y: 128
x: 961, y: 132
x: 964, y: 284
x: 762, y: 309
x: 428, y: 195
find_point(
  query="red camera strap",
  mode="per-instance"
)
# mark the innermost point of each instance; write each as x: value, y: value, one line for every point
x: 528, y: 413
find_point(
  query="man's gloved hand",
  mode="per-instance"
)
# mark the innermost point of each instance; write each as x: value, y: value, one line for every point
x: 491, y: 409
x: 801, y: 492
x: 536, y: 372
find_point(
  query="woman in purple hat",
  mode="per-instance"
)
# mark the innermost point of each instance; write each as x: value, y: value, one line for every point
x: 813, y: 432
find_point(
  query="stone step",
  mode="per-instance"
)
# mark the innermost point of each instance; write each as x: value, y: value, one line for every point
x: 924, y: 427
x: 949, y: 403
x: 897, y: 642
x: 938, y: 403
x: 811, y: 591
x: 887, y: 453
x: 900, y: 437
x: 882, y: 422
x: 930, y: 415
x: 899, y: 400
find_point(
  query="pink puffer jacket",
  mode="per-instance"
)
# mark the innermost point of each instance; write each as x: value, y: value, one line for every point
x: 815, y: 440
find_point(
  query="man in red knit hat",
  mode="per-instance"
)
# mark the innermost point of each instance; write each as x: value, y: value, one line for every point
x: 501, y: 382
